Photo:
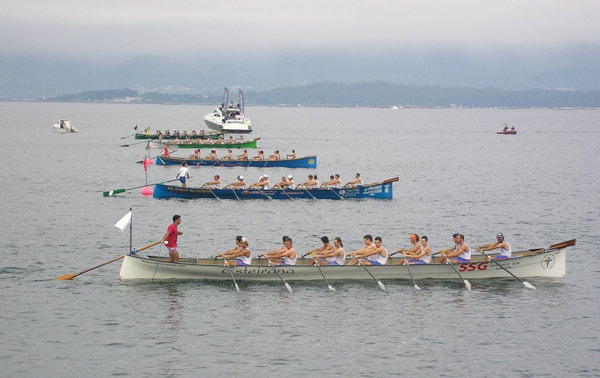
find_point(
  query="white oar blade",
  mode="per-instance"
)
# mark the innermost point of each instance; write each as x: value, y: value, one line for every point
x: 417, y: 287
x: 381, y: 285
x: 528, y: 285
x: 237, y: 287
x: 288, y: 287
x: 331, y: 288
x: 468, y: 285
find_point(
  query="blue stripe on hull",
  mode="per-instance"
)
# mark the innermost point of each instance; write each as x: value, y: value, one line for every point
x: 304, y: 162
x: 378, y: 191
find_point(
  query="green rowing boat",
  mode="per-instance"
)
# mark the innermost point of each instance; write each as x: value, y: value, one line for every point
x: 201, y: 136
x: 210, y: 144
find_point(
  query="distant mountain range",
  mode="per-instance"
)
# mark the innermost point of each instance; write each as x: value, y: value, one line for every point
x: 368, y: 94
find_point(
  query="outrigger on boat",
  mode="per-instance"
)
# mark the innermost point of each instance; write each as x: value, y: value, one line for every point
x: 378, y: 190
x: 301, y: 162
x: 541, y: 262
x: 64, y: 126
x: 229, y: 117
x: 209, y: 144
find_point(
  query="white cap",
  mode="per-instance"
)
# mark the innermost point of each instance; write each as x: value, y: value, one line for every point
x: 261, y: 177
x: 265, y: 176
x: 243, y: 240
x: 241, y: 178
x: 290, y: 177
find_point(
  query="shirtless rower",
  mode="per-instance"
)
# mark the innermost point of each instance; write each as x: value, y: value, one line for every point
x: 275, y: 155
x: 243, y: 156
x: 333, y: 182
x: 505, y: 248
x: 284, y: 256
x: 281, y: 184
x: 240, y: 255
x: 214, y: 184
x: 239, y: 184
x: 461, y: 253
x: 356, y: 182
x: 371, y: 253
x: 212, y: 155
x: 291, y: 155
x: 259, y: 184
x: 195, y: 155
x: 317, y: 252
x: 260, y: 156
x: 229, y: 155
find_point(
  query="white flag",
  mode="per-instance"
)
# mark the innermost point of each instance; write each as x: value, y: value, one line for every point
x: 124, y: 222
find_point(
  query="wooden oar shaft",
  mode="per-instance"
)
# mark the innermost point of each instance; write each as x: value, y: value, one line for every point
x: 110, y: 193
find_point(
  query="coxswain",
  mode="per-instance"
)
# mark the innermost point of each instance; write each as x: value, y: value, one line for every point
x: 500, y: 243
x: 183, y: 174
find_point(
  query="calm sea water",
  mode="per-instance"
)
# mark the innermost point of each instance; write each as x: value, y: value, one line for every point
x: 456, y: 175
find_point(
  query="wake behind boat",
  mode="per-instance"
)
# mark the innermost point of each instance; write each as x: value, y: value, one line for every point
x: 301, y: 162
x: 229, y: 117
x: 549, y: 262
x: 379, y: 190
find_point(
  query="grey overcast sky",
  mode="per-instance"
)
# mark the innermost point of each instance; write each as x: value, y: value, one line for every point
x: 126, y: 28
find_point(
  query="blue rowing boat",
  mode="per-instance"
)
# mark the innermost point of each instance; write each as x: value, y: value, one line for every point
x: 378, y: 190
x: 301, y: 162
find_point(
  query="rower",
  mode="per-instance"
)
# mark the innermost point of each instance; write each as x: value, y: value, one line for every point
x: 275, y: 155
x: 282, y: 184
x: 260, y: 184
x: 505, y: 248
x: 212, y: 155
x: 195, y: 155
x: 239, y: 255
x: 461, y: 253
x: 243, y: 156
x: 317, y: 253
x: 260, y: 156
x: 229, y: 155
x: 416, y: 247
x: 356, y: 182
x: 329, y: 183
x: 422, y: 256
x: 371, y: 253
x: 291, y: 155
x: 214, y: 184
x: 310, y: 184
x: 239, y: 184
x: 284, y: 256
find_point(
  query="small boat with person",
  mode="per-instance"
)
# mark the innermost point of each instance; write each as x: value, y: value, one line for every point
x: 378, y: 190
x: 507, y: 131
x: 229, y: 117
x: 300, y: 162
x: 64, y: 126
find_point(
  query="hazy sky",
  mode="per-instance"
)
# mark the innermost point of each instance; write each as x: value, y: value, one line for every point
x: 124, y: 28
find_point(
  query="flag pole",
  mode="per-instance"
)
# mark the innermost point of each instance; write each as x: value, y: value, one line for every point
x: 131, y: 232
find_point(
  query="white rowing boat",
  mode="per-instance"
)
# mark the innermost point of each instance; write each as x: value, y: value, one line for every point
x: 549, y: 262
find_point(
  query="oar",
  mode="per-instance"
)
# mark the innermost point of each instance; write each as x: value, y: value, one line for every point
x: 381, y: 285
x: 336, y: 193
x: 231, y: 273
x: 411, y: 276
x: 210, y: 190
x: 71, y: 276
x: 323, y: 275
x: 284, y: 192
x: 307, y: 191
x: 287, y: 286
x: 133, y: 144
x: 527, y: 284
x: 467, y: 283
x: 111, y: 193
x: 127, y: 136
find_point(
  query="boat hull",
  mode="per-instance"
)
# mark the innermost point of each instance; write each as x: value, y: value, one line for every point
x: 248, y: 144
x: 549, y: 263
x: 382, y: 190
x: 303, y: 162
x: 229, y: 126
x: 510, y: 132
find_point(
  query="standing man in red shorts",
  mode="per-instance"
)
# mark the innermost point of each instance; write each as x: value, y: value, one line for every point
x: 170, y: 238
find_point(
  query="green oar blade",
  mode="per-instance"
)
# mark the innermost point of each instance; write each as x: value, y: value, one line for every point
x: 111, y: 193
